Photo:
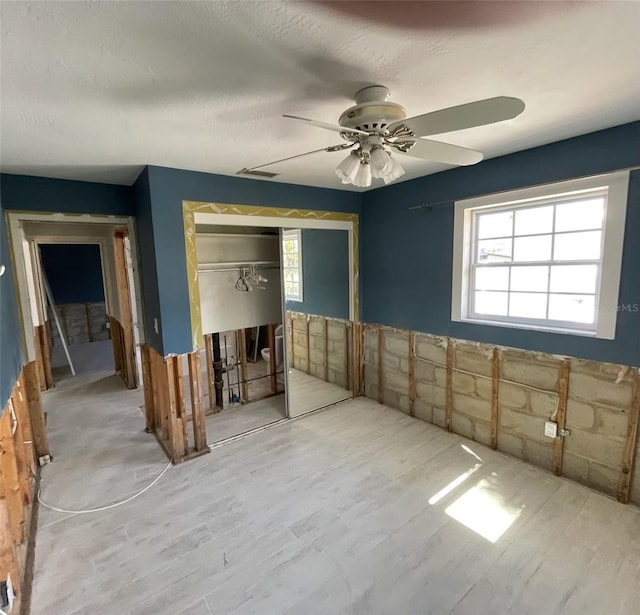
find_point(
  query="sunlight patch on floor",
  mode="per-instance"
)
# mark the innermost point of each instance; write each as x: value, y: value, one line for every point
x: 456, y: 482
x: 482, y: 510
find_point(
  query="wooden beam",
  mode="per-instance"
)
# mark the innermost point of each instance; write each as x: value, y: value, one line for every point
x: 306, y: 331
x: 36, y: 414
x: 124, y: 301
x: 37, y: 338
x: 155, y: 389
x: 412, y: 373
x: 561, y: 417
x: 8, y: 554
x: 495, y: 384
x: 449, y: 398
x: 21, y: 408
x: 629, y: 453
x: 197, y: 410
x: 325, y: 334
x: 273, y: 364
x: 380, y: 370
x: 174, y: 424
x: 242, y: 336
x: 10, y: 479
x: 147, y: 385
x: 355, y: 353
x: 347, y: 374
x: 48, y: 371
x: 164, y: 404
x: 181, y: 411
x: 21, y: 456
x: 360, y: 359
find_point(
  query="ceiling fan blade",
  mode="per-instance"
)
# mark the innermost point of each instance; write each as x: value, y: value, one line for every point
x: 435, y: 151
x: 332, y: 148
x: 327, y: 126
x: 469, y: 115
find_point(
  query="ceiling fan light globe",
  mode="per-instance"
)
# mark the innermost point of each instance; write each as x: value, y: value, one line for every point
x: 363, y: 176
x: 379, y: 161
x: 394, y: 171
x: 348, y: 168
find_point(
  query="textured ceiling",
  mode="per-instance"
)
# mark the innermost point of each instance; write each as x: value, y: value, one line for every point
x: 97, y: 90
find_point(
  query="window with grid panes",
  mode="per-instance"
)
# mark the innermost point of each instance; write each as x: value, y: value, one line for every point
x: 550, y: 260
x: 292, y: 264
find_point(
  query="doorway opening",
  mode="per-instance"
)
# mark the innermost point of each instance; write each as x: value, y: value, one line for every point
x: 241, y: 306
x: 76, y: 315
x: 79, y: 301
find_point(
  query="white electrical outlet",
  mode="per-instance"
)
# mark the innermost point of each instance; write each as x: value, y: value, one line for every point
x: 551, y: 429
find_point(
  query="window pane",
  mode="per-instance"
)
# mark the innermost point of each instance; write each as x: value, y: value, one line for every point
x: 495, y: 225
x: 577, y: 246
x: 531, y: 278
x: 292, y: 289
x: 492, y: 278
x: 534, y: 220
x: 573, y: 308
x: 528, y: 305
x: 494, y: 251
x: 536, y: 248
x: 290, y: 260
x: 490, y: 303
x: 580, y: 215
x: 574, y: 278
x: 290, y: 245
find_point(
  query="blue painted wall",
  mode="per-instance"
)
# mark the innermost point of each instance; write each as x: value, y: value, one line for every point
x: 74, y: 272
x: 10, y: 340
x: 407, y: 255
x: 168, y: 188
x: 325, y: 274
x: 22, y: 192
x: 147, y: 260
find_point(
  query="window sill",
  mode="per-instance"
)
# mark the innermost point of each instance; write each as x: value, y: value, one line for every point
x: 523, y: 327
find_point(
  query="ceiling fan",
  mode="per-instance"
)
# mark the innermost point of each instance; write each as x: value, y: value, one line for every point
x: 376, y: 128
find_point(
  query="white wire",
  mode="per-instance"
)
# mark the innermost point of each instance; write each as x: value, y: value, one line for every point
x: 92, y: 510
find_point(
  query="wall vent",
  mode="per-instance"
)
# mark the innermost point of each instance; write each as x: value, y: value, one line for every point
x: 256, y: 173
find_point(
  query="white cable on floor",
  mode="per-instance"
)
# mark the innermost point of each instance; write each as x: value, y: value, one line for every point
x: 92, y: 510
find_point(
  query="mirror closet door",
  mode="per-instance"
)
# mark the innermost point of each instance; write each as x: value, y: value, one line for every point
x: 318, y: 332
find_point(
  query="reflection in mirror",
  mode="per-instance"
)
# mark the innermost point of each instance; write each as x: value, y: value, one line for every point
x: 316, y: 270
x: 241, y: 306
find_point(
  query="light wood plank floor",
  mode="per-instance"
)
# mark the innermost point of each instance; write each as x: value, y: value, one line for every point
x: 356, y: 509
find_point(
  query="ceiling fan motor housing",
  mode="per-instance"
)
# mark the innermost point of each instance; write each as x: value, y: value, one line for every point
x: 372, y: 112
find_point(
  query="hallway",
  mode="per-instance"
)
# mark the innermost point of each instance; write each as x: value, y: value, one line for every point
x: 101, y: 454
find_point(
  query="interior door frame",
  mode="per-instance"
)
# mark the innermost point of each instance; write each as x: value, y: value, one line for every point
x: 196, y: 212
x: 22, y: 263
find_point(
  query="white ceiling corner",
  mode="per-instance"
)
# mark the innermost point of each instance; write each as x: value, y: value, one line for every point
x: 97, y: 90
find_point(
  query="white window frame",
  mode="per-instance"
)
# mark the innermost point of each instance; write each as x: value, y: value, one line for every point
x: 295, y: 234
x: 607, y: 307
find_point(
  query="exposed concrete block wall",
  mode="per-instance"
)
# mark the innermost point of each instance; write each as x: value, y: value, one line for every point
x: 431, y: 378
x: 324, y: 356
x: 80, y: 322
x: 527, y: 398
x: 394, y: 388
x: 511, y: 415
x: 598, y: 411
